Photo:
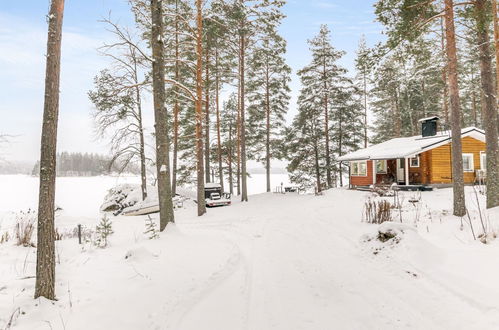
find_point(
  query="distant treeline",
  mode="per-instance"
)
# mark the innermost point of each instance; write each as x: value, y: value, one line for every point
x: 85, y: 164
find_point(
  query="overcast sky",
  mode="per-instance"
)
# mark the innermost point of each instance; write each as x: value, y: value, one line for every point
x: 23, y: 34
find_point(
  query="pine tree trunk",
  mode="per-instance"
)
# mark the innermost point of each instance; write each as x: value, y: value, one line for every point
x: 142, y: 153
x: 326, y: 130
x: 199, y: 110
x: 398, y: 121
x: 489, y: 105
x: 340, y: 146
x: 455, y: 111
x: 219, y: 140
x: 365, y: 109
x: 161, y: 117
x: 244, y: 187
x: 207, y: 117
x: 143, y: 173
x: 445, y: 96
x: 267, y: 129
x: 229, y: 151
x: 238, y: 133
x: 496, y: 41
x: 175, y: 107
x: 45, y: 253
x: 317, y: 167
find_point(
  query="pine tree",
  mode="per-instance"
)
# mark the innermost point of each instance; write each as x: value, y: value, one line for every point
x: 268, y: 94
x: 102, y: 231
x: 160, y: 114
x: 324, y: 75
x: 151, y: 231
x: 45, y: 253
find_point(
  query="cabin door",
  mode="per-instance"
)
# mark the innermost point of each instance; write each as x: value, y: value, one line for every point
x: 400, y: 170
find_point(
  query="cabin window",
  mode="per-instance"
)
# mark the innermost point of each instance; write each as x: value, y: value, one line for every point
x: 381, y: 166
x: 414, y: 161
x: 483, y: 160
x: 359, y: 168
x: 468, y: 163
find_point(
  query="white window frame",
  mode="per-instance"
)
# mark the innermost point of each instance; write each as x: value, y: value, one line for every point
x: 358, y: 173
x: 412, y: 158
x: 472, y: 162
x: 483, y: 163
x: 384, y: 166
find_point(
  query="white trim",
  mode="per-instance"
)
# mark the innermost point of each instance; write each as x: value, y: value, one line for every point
x: 358, y: 167
x: 374, y: 171
x: 385, y: 171
x: 406, y: 169
x: 482, y: 165
x: 415, y: 157
x: 472, y: 162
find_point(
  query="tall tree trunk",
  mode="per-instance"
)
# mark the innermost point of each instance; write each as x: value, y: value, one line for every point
x: 455, y: 112
x: 161, y: 117
x: 365, y: 107
x: 229, y: 151
x: 496, y: 41
x: 143, y: 173
x: 175, y: 106
x: 398, y: 120
x: 199, y: 110
x: 45, y: 252
x: 238, y: 133
x: 142, y: 153
x: 317, y: 167
x: 340, y: 145
x: 267, y: 128
x: 489, y: 105
x: 326, y: 128
x: 244, y: 187
x: 207, y: 116
x: 445, y: 96
x: 217, y: 104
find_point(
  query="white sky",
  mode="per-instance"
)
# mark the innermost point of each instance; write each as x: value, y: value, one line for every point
x: 22, y: 62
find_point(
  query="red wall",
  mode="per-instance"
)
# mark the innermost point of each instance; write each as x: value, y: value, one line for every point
x: 364, y: 180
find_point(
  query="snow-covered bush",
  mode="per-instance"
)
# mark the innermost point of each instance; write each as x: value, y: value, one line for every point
x: 103, y: 230
x: 377, y: 211
x: 121, y: 197
x: 24, y: 228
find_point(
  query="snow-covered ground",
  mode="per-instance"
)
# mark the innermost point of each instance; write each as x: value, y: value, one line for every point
x: 278, y: 262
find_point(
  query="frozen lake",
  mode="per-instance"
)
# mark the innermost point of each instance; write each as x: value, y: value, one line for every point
x: 83, y: 196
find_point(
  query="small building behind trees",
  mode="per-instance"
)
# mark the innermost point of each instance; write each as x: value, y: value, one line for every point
x: 417, y: 160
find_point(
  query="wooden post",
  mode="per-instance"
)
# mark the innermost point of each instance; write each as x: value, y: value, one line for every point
x: 406, y: 171
x: 79, y: 234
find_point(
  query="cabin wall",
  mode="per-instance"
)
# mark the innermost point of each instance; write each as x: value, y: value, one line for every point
x: 363, y: 180
x: 441, y: 165
x: 421, y: 174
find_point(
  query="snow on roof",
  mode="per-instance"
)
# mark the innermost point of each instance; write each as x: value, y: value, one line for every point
x: 429, y: 118
x: 408, y: 146
x: 212, y: 185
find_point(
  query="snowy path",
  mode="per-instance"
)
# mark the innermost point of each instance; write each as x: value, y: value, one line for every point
x: 304, y: 268
x: 280, y: 262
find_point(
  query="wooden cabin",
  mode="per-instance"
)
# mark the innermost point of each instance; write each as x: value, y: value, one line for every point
x: 418, y: 160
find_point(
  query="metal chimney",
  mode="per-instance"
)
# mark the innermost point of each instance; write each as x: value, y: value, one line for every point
x: 429, y: 126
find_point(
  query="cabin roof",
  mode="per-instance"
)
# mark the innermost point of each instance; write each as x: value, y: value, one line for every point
x: 211, y: 185
x: 409, y: 146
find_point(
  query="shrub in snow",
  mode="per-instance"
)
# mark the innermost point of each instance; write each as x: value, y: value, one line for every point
x: 121, y: 197
x: 5, y: 237
x: 151, y: 230
x: 103, y: 230
x: 393, y: 231
x: 24, y: 228
x: 377, y: 212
